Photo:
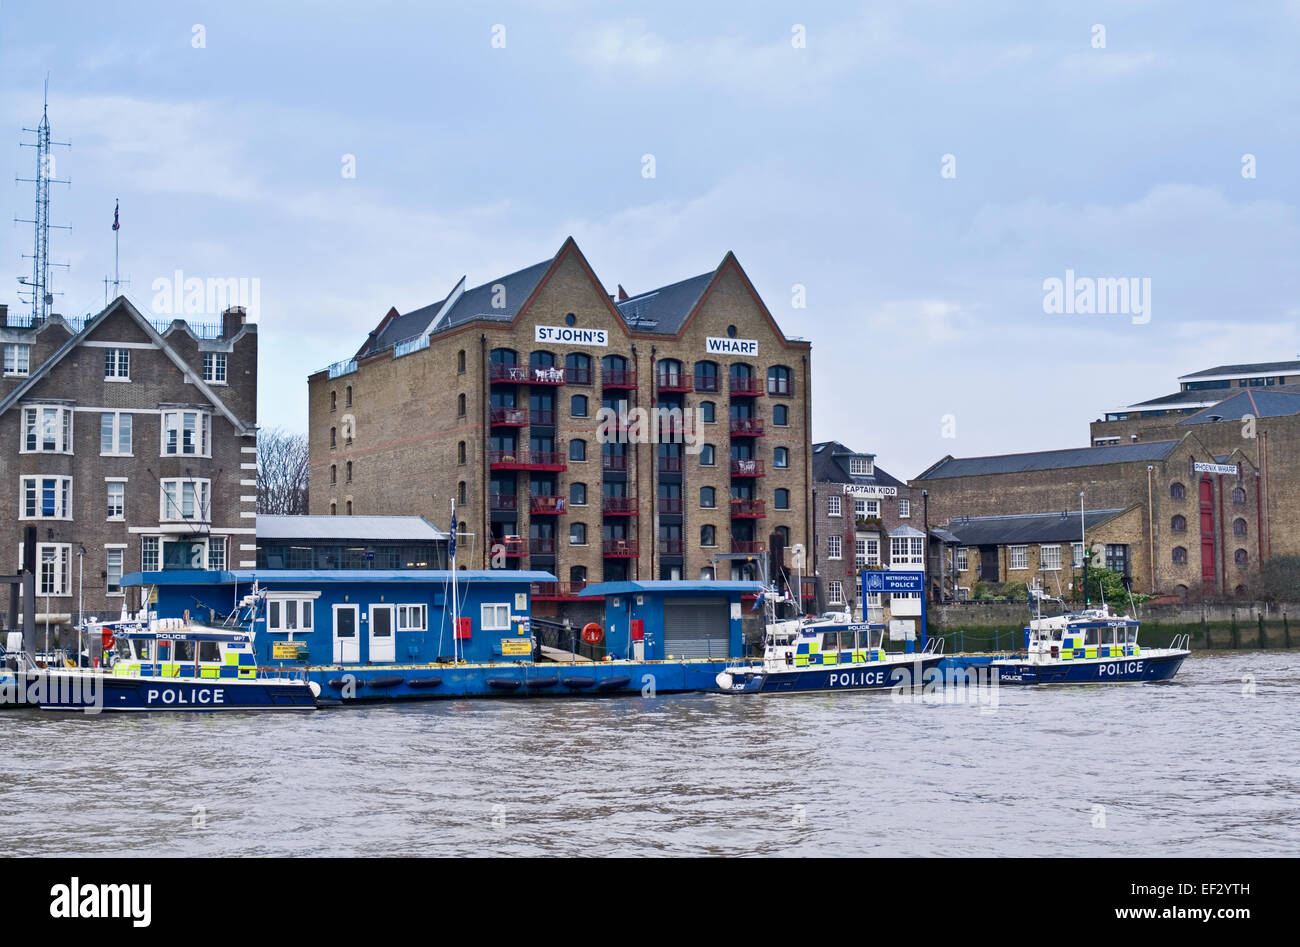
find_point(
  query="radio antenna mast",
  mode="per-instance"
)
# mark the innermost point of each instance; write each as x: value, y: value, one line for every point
x: 37, y: 289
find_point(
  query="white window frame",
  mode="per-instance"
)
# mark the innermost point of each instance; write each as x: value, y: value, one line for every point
x: 14, y: 366
x: 157, y: 553
x: 33, y: 425
x: 833, y: 506
x: 860, y: 552
x: 303, y: 605
x: 109, y: 484
x: 963, y: 558
x: 1049, y: 557
x: 904, y: 508
x: 490, y: 616
x: 834, y: 547
x: 834, y: 592
x: 202, y: 431
x: 114, y: 361
x: 412, y: 617
x: 62, y: 571
x: 118, y: 429
x: 215, y: 543
x: 1017, y: 554
x: 873, y: 552
x: 172, y: 512
x: 212, y: 361
x: 110, y: 552
x: 62, y: 498
x: 1076, y: 555
x: 860, y: 467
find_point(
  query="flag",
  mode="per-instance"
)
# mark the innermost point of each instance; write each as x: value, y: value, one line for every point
x: 451, y: 544
x: 116, y: 225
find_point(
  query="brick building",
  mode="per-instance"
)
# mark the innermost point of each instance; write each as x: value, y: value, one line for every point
x: 857, y: 505
x: 129, y: 446
x: 520, y: 399
x: 1176, y: 516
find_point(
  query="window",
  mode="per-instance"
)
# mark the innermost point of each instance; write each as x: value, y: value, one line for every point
x: 780, y: 415
x: 835, y: 592
x: 1049, y: 557
x: 1238, y: 497
x: 1019, y: 557
x: 115, y: 434
x: 288, y: 614
x: 781, y: 457
x: 706, y: 376
x: 47, y: 430
x: 1117, y: 557
x: 334, y: 474
x: 334, y: 400
x: 577, y: 494
x: 116, y: 490
x: 904, y: 508
x: 860, y: 552
x: 577, y: 534
x: 149, y: 554
x: 834, y: 547
x: 117, y: 364
x: 18, y: 358
x: 412, y: 618
x: 1178, y: 524
x: 460, y: 452
x: 186, y: 433
x: 55, y: 575
x: 782, y: 499
x: 833, y: 506
x: 47, y: 498
x: 578, y: 406
x: 860, y: 466
x: 347, y: 396
x: 1239, y: 527
x: 184, y: 500
x: 577, y: 368
x: 1241, y: 557
x: 577, y: 449
x: 214, y: 367
x: 460, y: 362
x: 1077, y: 549
x: 708, y: 535
x: 113, y: 579
x: 1180, y: 555
x: 708, y: 498
x: 963, y: 558
x: 334, y: 437
x: 708, y: 412
x: 778, y: 380
x: 496, y: 617
x: 216, y: 553
x: 460, y: 406
x: 1177, y: 491
x: 707, y: 456
x: 460, y: 491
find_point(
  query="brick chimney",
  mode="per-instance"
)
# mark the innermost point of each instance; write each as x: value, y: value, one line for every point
x: 4, y: 314
x: 232, y: 320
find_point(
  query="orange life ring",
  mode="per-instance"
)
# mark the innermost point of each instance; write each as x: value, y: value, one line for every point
x: 592, y: 633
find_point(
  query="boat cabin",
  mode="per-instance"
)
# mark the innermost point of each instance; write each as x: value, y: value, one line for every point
x: 1090, y: 635
x: 177, y: 651
x: 822, y: 645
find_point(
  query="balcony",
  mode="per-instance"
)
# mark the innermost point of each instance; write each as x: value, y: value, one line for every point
x: 747, y: 467
x: 673, y: 381
x: 557, y: 591
x: 509, y: 417
x: 749, y: 547
x: 746, y: 427
x: 514, y: 546
x: 544, y: 417
x: 613, y: 462
x: 618, y: 378
x: 523, y: 459
x: 508, y: 374
x: 670, y: 505
x: 525, y: 374
x: 670, y: 547
x: 748, y: 509
x: 618, y: 506
x: 619, y: 548
x: 541, y: 546
x: 548, y: 505
x: 670, y: 463
x: 503, y: 502
x: 707, y: 383
x: 578, y: 376
x: 746, y: 386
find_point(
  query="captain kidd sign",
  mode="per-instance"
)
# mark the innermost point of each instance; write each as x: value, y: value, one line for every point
x: 569, y: 335
x: 731, y: 346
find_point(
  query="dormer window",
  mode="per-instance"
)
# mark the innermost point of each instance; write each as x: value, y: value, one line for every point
x: 860, y: 467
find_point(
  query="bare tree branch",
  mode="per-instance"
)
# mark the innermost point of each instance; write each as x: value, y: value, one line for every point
x: 281, y: 472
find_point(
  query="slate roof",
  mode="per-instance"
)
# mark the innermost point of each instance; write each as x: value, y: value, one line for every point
x: 1060, y: 527
x: 1249, y: 368
x: 830, y: 465
x: 1048, y: 460
x: 340, y: 528
x: 1259, y: 402
x: 664, y: 310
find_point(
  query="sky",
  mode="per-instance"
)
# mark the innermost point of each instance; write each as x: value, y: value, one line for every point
x: 922, y: 170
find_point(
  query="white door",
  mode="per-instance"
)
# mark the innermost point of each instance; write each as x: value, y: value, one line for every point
x: 347, y: 645
x: 382, y: 646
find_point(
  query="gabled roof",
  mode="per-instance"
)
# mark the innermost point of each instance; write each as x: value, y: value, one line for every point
x: 1257, y: 402
x: 1014, y: 530
x: 1249, y: 368
x: 1048, y: 460
x: 830, y: 465
x: 664, y: 310
x: 124, y: 304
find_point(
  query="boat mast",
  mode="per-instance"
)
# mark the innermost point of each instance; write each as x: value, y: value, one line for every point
x: 1083, y: 541
x: 455, y: 603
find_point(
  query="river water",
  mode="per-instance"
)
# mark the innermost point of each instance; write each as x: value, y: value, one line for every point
x: 1204, y: 765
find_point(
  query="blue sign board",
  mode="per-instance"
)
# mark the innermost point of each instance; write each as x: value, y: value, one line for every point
x: 875, y: 582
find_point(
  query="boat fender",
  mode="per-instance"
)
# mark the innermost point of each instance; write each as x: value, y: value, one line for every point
x: 724, y: 680
x: 538, y: 682
x: 341, y: 683
x: 390, y: 680
x: 504, y: 683
x: 420, y: 682
x: 614, y: 683
x: 576, y: 682
x: 314, y: 688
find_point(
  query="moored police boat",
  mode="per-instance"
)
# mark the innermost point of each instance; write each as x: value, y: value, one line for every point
x: 829, y: 653
x: 1089, y: 647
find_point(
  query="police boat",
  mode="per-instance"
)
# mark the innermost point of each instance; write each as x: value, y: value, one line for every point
x: 1089, y: 647
x: 166, y: 664
x: 828, y: 653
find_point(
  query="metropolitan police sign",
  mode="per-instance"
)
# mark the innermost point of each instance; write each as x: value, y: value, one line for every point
x: 569, y: 335
x: 876, y: 582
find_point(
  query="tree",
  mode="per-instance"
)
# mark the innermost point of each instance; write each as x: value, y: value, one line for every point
x: 1279, y: 580
x: 281, y: 472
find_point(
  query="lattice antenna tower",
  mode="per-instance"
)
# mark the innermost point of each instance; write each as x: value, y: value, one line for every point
x: 36, y: 288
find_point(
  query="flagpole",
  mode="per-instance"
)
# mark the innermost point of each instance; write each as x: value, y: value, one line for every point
x: 455, y: 597
x: 117, y: 237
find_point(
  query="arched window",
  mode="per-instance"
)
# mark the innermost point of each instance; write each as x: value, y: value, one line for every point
x: 349, y: 507
x: 1238, y: 497
x: 1241, y: 591
x: 784, y: 533
x: 1178, y: 524
x: 669, y: 373
x: 349, y: 472
x: 782, y: 499
x: 577, y: 534
x: 577, y: 449
x: 334, y: 508
x: 503, y: 366
x: 577, y: 577
x: 780, y: 457
x: 348, y: 397
x: 1180, y: 555
x: 1239, y: 527
x: 780, y: 380
x: 460, y: 452
x: 460, y: 406
x: 708, y: 535
x: 706, y: 376
x: 707, y: 456
x: 578, y: 406
x: 577, y: 494
x: 1177, y: 491
x: 460, y: 362
x: 334, y: 437
x: 577, y: 368
x: 1181, y: 590
x: 334, y: 400
x: 503, y: 357
x: 707, y: 412
x: 780, y: 415
x: 708, y: 498
x: 334, y: 473
x: 461, y: 492
x: 541, y: 360
x: 1241, y: 557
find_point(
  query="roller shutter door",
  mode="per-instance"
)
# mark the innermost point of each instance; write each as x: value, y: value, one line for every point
x: 697, y: 627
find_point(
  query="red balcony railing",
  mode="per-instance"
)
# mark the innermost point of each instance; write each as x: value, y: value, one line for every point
x: 524, y: 459
x: 542, y: 546
x: 503, y: 502
x: 549, y: 375
x: 746, y: 385
x: 578, y: 376
x: 619, y: 548
x: 746, y: 467
x: 707, y: 383
x: 514, y: 546
x: 618, y: 506
x: 748, y: 546
x: 673, y: 381
x: 545, y: 416
x: 509, y: 417
x: 618, y: 378
x: 517, y: 374
x: 671, y: 505
x: 548, y: 505
x: 748, y: 509
x: 670, y: 547
x: 613, y: 461
x: 746, y: 427
x: 557, y: 591
x: 670, y: 463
